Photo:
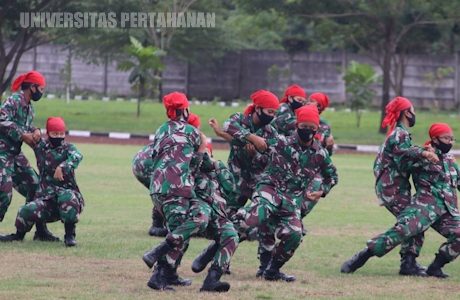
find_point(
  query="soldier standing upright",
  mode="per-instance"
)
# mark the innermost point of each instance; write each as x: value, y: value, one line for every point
x: 16, y: 118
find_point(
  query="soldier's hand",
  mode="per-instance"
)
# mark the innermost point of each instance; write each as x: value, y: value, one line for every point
x: 58, y: 175
x: 430, y: 156
x: 37, y: 135
x: 250, y: 149
x: 213, y: 123
x: 28, y: 139
x: 258, y: 142
x: 314, y: 196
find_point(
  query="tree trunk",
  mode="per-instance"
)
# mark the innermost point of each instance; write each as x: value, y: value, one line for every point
x: 141, y: 95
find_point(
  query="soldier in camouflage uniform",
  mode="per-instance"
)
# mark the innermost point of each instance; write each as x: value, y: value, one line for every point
x: 16, y: 117
x: 285, y: 121
x: 213, y: 185
x: 295, y: 162
x: 142, y: 167
x: 59, y: 197
x: 179, y: 153
x: 249, y: 132
x: 324, y: 134
x: 434, y: 204
x: 392, y: 184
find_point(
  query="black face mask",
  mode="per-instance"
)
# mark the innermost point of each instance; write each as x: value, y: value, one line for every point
x: 411, y: 120
x: 36, y: 95
x: 443, y: 146
x: 306, y: 134
x: 56, y: 142
x: 295, y: 104
x: 264, y: 118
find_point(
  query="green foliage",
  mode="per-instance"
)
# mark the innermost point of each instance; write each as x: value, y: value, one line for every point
x: 145, y: 64
x: 358, y: 81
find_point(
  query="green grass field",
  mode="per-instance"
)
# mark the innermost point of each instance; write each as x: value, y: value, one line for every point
x: 120, y: 116
x: 112, y: 236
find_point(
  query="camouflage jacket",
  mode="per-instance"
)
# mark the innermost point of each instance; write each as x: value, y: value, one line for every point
x: 295, y: 168
x: 285, y: 120
x: 324, y: 131
x: 215, y: 184
x: 142, y: 164
x: 175, y: 159
x: 389, y: 169
x: 65, y: 156
x: 240, y: 162
x: 436, y: 184
x: 16, y: 118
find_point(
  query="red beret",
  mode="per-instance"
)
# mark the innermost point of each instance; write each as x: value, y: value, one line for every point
x: 438, y: 129
x: 194, y: 120
x: 55, y: 124
x: 393, y: 111
x: 264, y: 99
x: 307, y: 113
x: 293, y: 91
x: 320, y: 98
x: 173, y: 101
x: 29, y: 77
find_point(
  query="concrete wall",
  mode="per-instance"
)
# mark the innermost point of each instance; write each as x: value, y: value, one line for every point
x: 237, y: 75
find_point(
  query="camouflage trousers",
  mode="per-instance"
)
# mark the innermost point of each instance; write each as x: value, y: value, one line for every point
x: 16, y: 172
x: 244, y: 191
x: 276, y: 215
x: 220, y: 229
x: 157, y: 217
x: 395, y: 204
x: 181, y: 224
x: 267, y: 231
x: 416, y: 219
x: 66, y: 206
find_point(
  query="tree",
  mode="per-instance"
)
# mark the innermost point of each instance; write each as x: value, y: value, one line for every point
x: 386, y: 30
x: 143, y: 62
x: 358, y: 82
x: 16, y: 40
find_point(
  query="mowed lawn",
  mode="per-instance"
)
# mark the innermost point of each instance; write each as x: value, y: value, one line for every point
x: 99, y: 116
x: 112, y: 236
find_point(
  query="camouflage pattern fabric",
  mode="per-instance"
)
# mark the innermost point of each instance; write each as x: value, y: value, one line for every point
x: 57, y: 200
x: 434, y: 204
x: 215, y: 184
x: 16, y: 117
x: 392, y: 184
x: 246, y: 169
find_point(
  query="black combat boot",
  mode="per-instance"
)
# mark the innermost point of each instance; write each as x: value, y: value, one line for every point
x: 205, y: 257
x: 435, y: 269
x: 212, y: 283
x: 264, y: 258
x: 170, y: 276
x: 18, y: 236
x: 157, y: 280
x: 357, y: 261
x: 273, y: 273
x: 43, y: 234
x: 157, y: 228
x: 150, y: 257
x: 69, y: 236
x: 409, y: 266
